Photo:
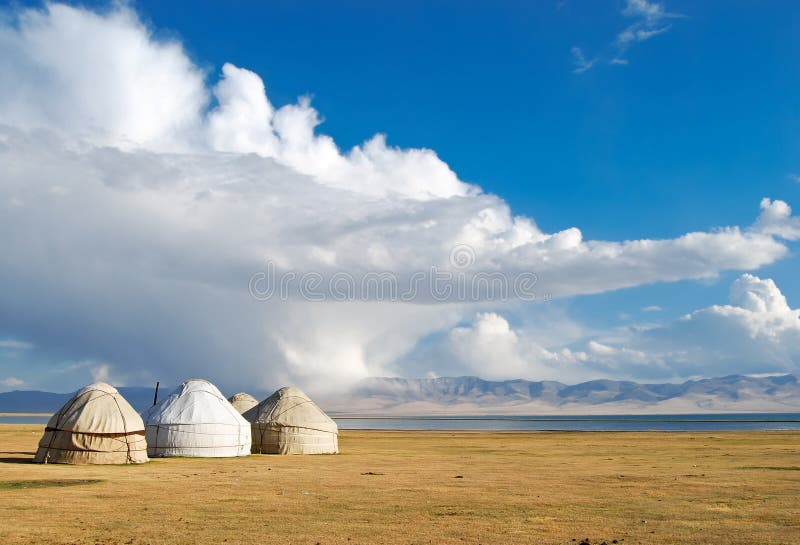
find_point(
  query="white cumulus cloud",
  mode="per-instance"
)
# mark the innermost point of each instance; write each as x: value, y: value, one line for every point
x: 776, y: 219
x: 756, y: 332
x: 98, y: 76
x: 11, y: 382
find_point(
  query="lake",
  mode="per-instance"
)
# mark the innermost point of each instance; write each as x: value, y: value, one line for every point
x: 682, y: 422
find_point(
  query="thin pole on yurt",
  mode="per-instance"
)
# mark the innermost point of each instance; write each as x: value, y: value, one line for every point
x: 155, y: 396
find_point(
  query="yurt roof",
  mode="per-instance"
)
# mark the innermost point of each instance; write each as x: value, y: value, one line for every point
x: 193, y: 402
x: 290, y: 406
x: 97, y: 408
x: 243, y: 400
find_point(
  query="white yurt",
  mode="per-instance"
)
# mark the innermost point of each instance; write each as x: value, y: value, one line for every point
x: 243, y: 402
x: 96, y: 426
x: 196, y: 420
x: 288, y: 422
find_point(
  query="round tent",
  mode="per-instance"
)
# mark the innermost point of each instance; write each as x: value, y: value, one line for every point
x: 96, y: 426
x: 243, y: 402
x: 196, y: 420
x: 288, y: 422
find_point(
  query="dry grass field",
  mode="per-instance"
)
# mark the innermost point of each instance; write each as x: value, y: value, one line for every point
x: 422, y: 487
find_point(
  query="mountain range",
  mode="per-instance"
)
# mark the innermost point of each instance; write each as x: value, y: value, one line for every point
x: 475, y: 396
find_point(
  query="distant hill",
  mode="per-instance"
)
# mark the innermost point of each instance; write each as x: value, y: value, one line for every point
x: 472, y: 395
x: 34, y: 401
x: 475, y: 396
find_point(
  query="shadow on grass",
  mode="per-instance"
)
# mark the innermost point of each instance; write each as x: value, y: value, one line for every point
x: 4, y: 459
x: 25, y: 485
x: 16, y: 460
x: 774, y: 468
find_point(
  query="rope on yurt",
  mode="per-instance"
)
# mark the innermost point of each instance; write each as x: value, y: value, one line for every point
x: 129, y: 459
x: 58, y: 422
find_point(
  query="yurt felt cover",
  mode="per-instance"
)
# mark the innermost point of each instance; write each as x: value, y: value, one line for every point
x: 243, y: 402
x: 196, y: 420
x: 96, y: 426
x: 288, y: 422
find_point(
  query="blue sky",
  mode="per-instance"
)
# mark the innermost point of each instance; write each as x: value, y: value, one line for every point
x: 545, y: 105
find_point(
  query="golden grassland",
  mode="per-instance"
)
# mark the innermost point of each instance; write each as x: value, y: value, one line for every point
x: 422, y: 487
